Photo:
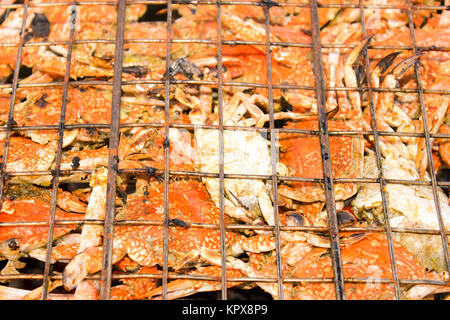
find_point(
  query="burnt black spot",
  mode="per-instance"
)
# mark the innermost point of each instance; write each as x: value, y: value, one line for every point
x: 184, y: 66
x: 122, y: 195
x: 155, y: 13
x: 82, y: 90
x: 138, y: 71
x: 40, y: 26
x: 307, y: 32
x: 345, y: 218
x: 166, y: 143
x: 115, y: 165
x: 76, y: 162
x: 91, y: 131
x: 328, y: 182
x: 12, y: 244
x: 41, y: 102
x: 150, y: 171
x: 179, y: 223
x: 268, y: 3
x: 295, y: 220
x: 215, y: 71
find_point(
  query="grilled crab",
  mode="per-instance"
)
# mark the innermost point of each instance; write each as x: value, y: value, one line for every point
x: 410, y: 206
x: 245, y: 152
x: 368, y: 258
x: 26, y: 155
x: 302, y: 152
x: 188, y: 203
x: 92, y: 22
x: 28, y: 204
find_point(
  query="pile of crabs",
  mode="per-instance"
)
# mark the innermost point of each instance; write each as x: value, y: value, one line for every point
x: 350, y: 58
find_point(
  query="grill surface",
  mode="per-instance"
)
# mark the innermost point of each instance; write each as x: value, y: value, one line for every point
x: 106, y: 276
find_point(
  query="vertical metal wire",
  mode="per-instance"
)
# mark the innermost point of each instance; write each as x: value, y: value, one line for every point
x: 427, y: 137
x: 166, y: 153
x: 381, y: 178
x: 273, y: 135
x: 221, y: 153
x: 13, y: 99
x: 325, y: 152
x: 113, y: 157
x: 59, y: 152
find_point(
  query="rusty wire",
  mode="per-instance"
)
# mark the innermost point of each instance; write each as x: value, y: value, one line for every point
x: 333, y: 230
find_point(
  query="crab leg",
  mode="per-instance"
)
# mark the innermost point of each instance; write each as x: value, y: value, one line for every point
x: 181, y: 288
x: 37, y: 293
x: 91, y: 234
x: 90, y: 261
x: 387, y: 114
x: 436, y: 110
x: 420, y: 291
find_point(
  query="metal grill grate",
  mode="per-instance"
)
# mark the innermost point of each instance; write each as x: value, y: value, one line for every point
x: 323, y: 134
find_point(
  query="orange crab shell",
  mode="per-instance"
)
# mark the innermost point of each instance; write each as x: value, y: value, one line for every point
x: 189, y: 203
x: 26, y: 155
x: 135, y: 288
x: 43, y: 106
x: 31, y: 207
x: 368, y: 258
x: 444, y: 145
x: 302, y: 156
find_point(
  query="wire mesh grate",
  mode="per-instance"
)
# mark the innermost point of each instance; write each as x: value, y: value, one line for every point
x: 118, y: 80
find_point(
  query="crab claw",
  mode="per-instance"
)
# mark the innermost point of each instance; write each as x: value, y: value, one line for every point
x: 405, y: 64
x: 350, y: 73
x: 75, y: 271
x: 384, y: 63
x: 380, y: 68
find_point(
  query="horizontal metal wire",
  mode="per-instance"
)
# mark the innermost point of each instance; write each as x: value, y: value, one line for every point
x: 283, y: 44
x: 171, y: 275
x: 230, y: 227
x: 178, y: 276
x: 191, y: 127
x: 236, y: 2
x: 200, y: 174
x: 225, y: 84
